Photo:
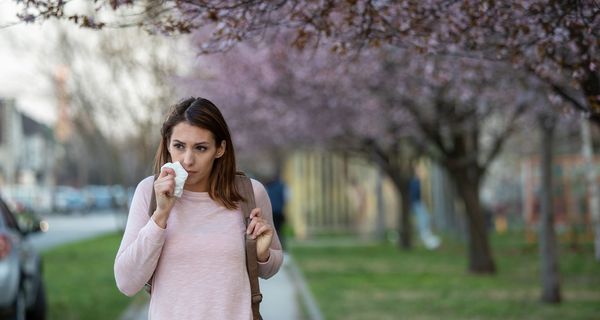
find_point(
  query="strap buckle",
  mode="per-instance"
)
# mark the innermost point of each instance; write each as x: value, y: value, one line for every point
x: 257, y: 298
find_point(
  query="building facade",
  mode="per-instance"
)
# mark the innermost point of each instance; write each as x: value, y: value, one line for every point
x: 28, y: 153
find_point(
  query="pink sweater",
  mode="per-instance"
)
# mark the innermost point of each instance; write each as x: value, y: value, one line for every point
x: 198, y: 260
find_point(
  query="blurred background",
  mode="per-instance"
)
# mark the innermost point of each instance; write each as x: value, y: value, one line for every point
x: 424, y: 160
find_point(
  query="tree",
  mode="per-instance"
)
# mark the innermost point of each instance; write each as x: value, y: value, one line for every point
x: 463, y: 117
x: 548, y: 247
x: 116, y: 128
x: 388, y: 106
x: 555, y: 40
x: 544, y: 36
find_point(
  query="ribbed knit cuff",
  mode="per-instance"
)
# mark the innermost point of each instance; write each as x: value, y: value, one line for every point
x: 153, y: 232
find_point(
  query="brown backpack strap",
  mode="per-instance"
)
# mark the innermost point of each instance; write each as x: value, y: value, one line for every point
x: 151, y: 209
x: 152, y: 206
x: 244, y: 186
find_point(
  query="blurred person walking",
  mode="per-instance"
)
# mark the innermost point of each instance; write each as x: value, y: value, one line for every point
x: 278, y: 193
x: 430, y: 240
x: 191, y: 249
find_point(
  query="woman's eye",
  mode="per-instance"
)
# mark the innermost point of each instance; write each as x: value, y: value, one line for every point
x: 201, y: 148
x: 178, y: 146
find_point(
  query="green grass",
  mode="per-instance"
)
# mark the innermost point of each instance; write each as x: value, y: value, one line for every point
x: 381, y: 282
x: 80, y: 282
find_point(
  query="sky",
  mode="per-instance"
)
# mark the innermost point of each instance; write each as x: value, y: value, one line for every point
x: 19, y: 61
x: 26, y: 49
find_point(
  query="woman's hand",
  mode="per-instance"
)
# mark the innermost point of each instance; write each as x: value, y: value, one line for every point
x: 164, y: 188
x: 261, y: 230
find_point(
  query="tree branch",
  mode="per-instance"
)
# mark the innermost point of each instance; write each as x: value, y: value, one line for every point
x: 431, y: 132
x: 501, y: 138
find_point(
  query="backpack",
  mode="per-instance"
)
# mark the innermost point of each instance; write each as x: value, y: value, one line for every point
x: 244, y: 186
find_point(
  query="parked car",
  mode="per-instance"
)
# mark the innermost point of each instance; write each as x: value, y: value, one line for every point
x: 22, y: 294
x: 69, y: 200
x: 99, y: 197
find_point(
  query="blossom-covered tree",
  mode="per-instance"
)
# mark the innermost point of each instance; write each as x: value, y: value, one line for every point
x: 388, y: 105
x: 463, y: 116
x: 554, y: 39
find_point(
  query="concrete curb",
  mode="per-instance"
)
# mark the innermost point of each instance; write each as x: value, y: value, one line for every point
x: 309, y: 302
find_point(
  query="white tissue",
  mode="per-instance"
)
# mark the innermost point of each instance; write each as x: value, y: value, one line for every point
x: 180, y: 176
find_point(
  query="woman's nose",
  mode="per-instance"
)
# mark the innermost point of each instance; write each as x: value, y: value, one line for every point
x: 188, y: 159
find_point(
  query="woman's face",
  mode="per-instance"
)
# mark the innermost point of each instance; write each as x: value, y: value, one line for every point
x: 195, y: 148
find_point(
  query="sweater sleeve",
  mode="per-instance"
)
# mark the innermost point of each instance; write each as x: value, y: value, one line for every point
x: 141, y: 244
x: 270, y: 267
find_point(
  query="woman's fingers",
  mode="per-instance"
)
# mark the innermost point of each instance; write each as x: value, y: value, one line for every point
x: 258, y: 226
x: 254, y: 224
x: 255, y: 217
x: 165, y: 187
x: 165, y: 184
x: 165, y: 172
x: 260, y: 229
x: 256, y: 212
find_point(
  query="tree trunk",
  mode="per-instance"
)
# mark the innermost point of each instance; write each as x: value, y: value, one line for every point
x: 592, y: 182
x: 480, y: 255
x: 548, y: 249
x: 400, y: 177
x: 591, y: 89
x: 404, y: 221
x: 380, y: 223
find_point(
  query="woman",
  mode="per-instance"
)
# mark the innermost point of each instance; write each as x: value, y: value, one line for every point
x: 193, y: 246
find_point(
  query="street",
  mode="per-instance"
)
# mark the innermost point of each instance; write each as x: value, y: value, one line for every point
x: 63, y: 229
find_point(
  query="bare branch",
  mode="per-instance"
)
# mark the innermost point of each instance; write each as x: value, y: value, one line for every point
x: 502, y: 137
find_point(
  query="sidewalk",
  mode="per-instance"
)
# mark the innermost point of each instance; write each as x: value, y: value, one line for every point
x: 280, y: 300
x: 283, y: 294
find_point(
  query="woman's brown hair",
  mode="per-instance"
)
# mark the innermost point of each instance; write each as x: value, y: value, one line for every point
x: 204, y: 114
